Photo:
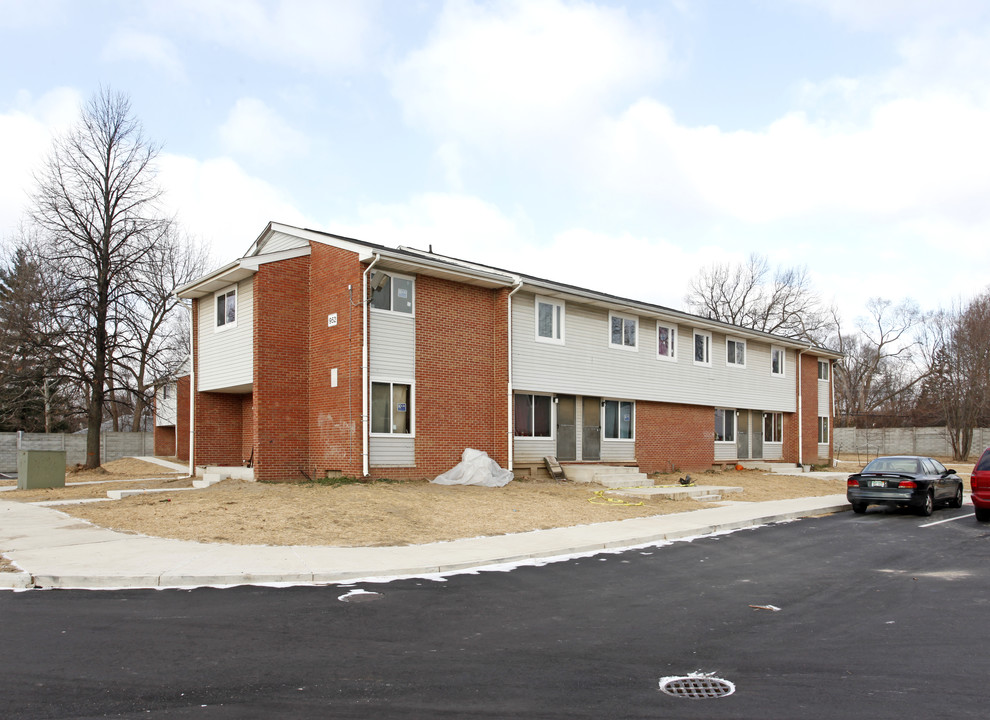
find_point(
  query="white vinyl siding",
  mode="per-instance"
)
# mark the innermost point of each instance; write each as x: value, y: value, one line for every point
x: 773, y: 451
x: 281, y: 241
x: 392, y: 348
x: 824, y: 400
x: 226, y: 359
x: 587, y: 366
x: 165, y: 407
x: 532, y: 450
x: 614, y: 451
x: 395, y: 451
x: 725, y: 451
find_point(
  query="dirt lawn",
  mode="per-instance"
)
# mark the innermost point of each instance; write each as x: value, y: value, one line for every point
x: 378, y: 513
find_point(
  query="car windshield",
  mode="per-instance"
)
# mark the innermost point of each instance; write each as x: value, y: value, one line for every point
x: 894, y: 465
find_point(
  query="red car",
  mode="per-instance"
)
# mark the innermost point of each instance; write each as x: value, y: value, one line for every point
x: 979, y: 482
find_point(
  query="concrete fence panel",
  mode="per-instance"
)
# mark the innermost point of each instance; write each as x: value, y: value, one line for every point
x: 113, y: 446
x: 871, y: 442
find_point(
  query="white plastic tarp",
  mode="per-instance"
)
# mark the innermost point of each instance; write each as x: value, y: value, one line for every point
x: 475, y: 468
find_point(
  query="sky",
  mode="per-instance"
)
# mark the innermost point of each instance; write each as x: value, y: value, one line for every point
x: 619, y: 146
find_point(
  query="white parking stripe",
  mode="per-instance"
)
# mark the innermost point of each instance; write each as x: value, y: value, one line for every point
x: 939, y: 522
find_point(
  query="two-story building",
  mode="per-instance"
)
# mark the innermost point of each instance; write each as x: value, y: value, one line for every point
x: 318, y: 354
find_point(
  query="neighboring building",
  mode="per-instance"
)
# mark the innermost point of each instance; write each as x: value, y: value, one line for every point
x: 172, y: 415
x: 294, y: 373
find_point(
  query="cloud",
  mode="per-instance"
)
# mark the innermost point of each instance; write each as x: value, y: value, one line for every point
x: 896, y: 15
x: 255, y: 130
x: 508, y: 71
x: 326, y: 36
x: 130, y: 45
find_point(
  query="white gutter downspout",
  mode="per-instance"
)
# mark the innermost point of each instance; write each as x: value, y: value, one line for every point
x: 365, y: 421
x: 510, y: 430
x: 831, y: 410
x: 192, y: 393
x: 800, y: 413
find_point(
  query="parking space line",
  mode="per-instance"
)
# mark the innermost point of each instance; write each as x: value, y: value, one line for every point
x: 939, y: 522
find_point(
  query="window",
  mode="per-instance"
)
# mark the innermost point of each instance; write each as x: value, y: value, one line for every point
x: 226, y: 303
x: 618, y: 419
x: 533, y: 415
x: 549, y: 321
x: 725, y: 425
x: 702, y: 348
x: 391, y: 408
x: 777, y: 361
x: 166, y: 391
x: 622, y: 331
x: 666, y: 341
x: 823, y: 369
x: 395, y: 294
x: 773, y: 427
x: 735, y: 352
x: 823, y: 430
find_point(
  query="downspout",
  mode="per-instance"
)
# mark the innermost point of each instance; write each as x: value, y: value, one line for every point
x: 831, y: 411
x: 800, y: 413
x: 510, y: 430
x: 365, y: 419
x: 192, y: 393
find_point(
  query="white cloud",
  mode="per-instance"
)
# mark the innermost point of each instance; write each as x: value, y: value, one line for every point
x: 313, y: 35
x: 508, y: 71
x: 255, y: 130
x: 891, y: 15
x: 155, y: 50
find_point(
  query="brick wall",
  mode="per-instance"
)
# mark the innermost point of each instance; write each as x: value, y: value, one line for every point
x: 280, y: 405
x: 219, y: 433
x: 671, y: 436
x: 182, y: 417
x: 165, y: 440
x: 335, y: 442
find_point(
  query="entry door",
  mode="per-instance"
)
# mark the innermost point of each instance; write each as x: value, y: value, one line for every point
x: 756, y: 423
x: 566, y: 428
x: 742, y: 435
x: 591, y: 428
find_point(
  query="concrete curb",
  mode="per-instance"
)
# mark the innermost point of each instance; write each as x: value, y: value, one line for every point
x: 16, y: 581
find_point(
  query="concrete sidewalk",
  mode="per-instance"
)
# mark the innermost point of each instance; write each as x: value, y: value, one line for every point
x: 56, y: 550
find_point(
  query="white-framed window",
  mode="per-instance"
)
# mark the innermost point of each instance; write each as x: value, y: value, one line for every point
x: 823, y: 430
x: 773, y: 427
x: 666, y: 341
x: 735, y: 352
x: 619, y: 419
x: 395, y: 294
x: 725, y: 425
x: 823, y: 370
x: 549, y: 320
x: 533, y: 415
x: 391, y: 408
x: 225, y: 302
x: 702, y: 347
x: 622, y: 331
x: 777, y: 361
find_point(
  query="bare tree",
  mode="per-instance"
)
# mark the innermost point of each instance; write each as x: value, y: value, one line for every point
x: 96, y: 203
x: 751, y: 295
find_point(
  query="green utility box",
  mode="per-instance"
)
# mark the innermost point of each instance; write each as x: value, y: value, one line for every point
x: 40, y: 469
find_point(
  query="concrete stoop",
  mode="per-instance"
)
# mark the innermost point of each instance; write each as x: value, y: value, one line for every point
x: 213, y: 474
x: 611, y: 476
x: 700, y: 493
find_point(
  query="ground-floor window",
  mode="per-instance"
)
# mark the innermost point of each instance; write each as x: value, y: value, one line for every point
x: 823, y: 430
x: 773, y: 427
x: 618, y: 419
x: 725, y: 425
x: 391, y: 408
x: 533, y: 415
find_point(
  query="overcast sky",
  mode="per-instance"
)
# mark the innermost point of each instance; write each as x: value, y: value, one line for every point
x: 620, y: 146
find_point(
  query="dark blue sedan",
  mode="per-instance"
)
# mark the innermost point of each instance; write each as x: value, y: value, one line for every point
x: 905, y: 481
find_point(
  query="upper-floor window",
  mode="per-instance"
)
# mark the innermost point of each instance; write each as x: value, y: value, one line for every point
x: 777, y: 361
x: 702, y: 348
x: 394, y: 293
x: 533, y: 415
x: 618, y: 419
x: 549, y: 320
x: 226, y: 304
x: 622, y: 331
x: 823, y: 369
x: 666, y: 341
x: 735, y: 352
x: 725, y: 425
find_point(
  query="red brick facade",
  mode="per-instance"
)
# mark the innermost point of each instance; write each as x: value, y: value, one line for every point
x: 673, y: 437
x: 173, y: 440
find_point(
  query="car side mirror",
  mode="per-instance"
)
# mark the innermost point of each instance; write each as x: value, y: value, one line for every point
x: 949, y: 472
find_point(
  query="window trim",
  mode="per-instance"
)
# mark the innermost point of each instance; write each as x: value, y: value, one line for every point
x: 778, y: 426
x: 707, y: 362
x: 632, y: 420
x: 828, y: 370
x: 823, y: 424
x: 391, y: 394
x: 623, y: 346
x: 672, y: 357
x: 226, y: 325
x: 559, y: 320
x: 729, y: 412
x: 391, y: 299
x: 532, y: 417
x: 737, y: 342
x: 783, y: 361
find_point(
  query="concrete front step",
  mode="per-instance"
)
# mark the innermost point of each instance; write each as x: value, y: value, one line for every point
x: 701, y: 493
x: 608, y: 475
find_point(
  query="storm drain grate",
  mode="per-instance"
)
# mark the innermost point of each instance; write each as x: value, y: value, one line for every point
x: 697, y: 687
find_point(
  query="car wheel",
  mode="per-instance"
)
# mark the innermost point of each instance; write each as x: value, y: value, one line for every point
x: 926, y: 509
x: 982, y: 514
x: 957, y: 501
x: 859, y: 508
